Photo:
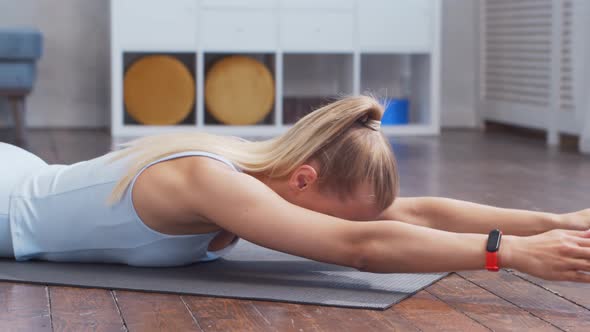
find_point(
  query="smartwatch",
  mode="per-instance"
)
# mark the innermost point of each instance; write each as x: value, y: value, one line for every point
x: 492, y: 248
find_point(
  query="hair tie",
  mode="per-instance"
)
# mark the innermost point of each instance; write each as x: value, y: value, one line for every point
x: 370, y: 123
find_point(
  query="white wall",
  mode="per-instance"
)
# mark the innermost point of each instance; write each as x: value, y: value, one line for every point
x: 73, y: 82
x: 460, y: 51
x: 72, y: 88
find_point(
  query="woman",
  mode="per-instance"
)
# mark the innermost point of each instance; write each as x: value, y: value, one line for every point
x: 325, y: 190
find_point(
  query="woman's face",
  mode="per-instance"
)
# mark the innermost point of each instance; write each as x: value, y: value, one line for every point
x: 302, y: 189
x: 359, y: 206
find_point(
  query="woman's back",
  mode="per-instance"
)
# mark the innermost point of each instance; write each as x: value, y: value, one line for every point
x: 59, y: 213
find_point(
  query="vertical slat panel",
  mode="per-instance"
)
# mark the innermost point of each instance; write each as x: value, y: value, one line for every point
x: 566, y: 89
x: 552, y: 116
x: 517, y: 51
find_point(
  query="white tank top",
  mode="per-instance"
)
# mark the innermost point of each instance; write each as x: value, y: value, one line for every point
x: 59, y: 213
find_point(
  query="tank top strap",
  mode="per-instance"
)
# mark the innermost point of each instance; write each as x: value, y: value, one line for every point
x: 197, y: 153
x: 205, y: 154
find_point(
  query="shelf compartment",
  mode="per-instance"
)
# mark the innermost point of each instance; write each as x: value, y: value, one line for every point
x: 388, y: 76
x: 313, y: 80
x: 187, y: 65
x: 269, y: 62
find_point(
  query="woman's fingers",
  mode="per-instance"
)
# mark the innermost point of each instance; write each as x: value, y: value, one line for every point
x: 576, y: 276
x: 581, y: 234
x: 585, y: 234
x: 582, y: 242
x: 577, y: 251
x: 578, y: 265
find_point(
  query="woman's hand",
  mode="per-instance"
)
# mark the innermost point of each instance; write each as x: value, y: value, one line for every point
x: 554, y: 255
x: 579, y: 220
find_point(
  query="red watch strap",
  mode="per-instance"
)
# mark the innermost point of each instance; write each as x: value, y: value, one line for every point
x: 492, y: 261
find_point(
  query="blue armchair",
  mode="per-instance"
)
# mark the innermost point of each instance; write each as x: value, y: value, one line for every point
x: 19, y: 51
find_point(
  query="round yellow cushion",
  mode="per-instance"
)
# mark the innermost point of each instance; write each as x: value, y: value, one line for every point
x: 158, y: 90
x: 239, y: 90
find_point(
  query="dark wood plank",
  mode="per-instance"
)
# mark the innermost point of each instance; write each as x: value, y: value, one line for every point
x: 142, y: 311
x: 219, y: 314
x: 297, y: 317
x: 24, y: 307
x: 485, y: 307
x: 576, y: 292
x: 431, y: 314
x: 288, y: 316
x: 536, y: 300
x: 81, y: 309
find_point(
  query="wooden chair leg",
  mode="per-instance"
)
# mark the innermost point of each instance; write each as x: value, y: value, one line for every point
x: 18, y: 107
x: 584, y: 144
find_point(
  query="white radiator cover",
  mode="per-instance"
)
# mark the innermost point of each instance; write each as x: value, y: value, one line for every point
x: 534, y: 65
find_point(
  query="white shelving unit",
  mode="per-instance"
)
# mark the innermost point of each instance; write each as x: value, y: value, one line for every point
x: 316, y: 50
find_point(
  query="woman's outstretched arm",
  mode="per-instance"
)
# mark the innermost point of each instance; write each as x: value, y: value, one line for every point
x: 246, y: 207
x: 466, y: 217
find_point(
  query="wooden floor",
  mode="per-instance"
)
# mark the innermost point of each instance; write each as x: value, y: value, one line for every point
x: 495, y: 168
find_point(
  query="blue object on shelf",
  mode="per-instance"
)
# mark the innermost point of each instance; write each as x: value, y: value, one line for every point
x: 396, y: 112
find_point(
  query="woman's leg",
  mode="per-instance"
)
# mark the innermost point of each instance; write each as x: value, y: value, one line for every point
x: 6, y: 249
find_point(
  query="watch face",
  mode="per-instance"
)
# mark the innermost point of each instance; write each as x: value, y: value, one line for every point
x: 494, y: 241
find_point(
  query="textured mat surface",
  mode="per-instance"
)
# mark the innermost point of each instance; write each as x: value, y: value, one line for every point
x: 248, y: 272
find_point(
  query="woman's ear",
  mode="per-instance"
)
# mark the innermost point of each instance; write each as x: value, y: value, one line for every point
x: 302, y: 178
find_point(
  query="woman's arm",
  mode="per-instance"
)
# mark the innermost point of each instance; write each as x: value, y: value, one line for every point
x: 246, y: 207
x: 466, y: 217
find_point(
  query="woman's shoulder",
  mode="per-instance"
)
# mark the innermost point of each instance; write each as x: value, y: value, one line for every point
x: 193, y: 171
x: 168, y: 190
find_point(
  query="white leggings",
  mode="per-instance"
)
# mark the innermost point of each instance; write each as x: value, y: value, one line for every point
x: 6, y: 249
x: 15, y: 163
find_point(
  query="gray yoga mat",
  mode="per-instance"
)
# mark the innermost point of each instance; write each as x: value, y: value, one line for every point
x: 248, y: 272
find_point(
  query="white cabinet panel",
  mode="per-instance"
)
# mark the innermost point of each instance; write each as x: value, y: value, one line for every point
x: 155, y: 24
x: 318, y: 4
x: 228, y: 4
x: 317, y: 31
x: 248, y: 30
x: 394, y: 25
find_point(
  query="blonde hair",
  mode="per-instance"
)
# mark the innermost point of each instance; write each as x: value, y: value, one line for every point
x: 343, y: 137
